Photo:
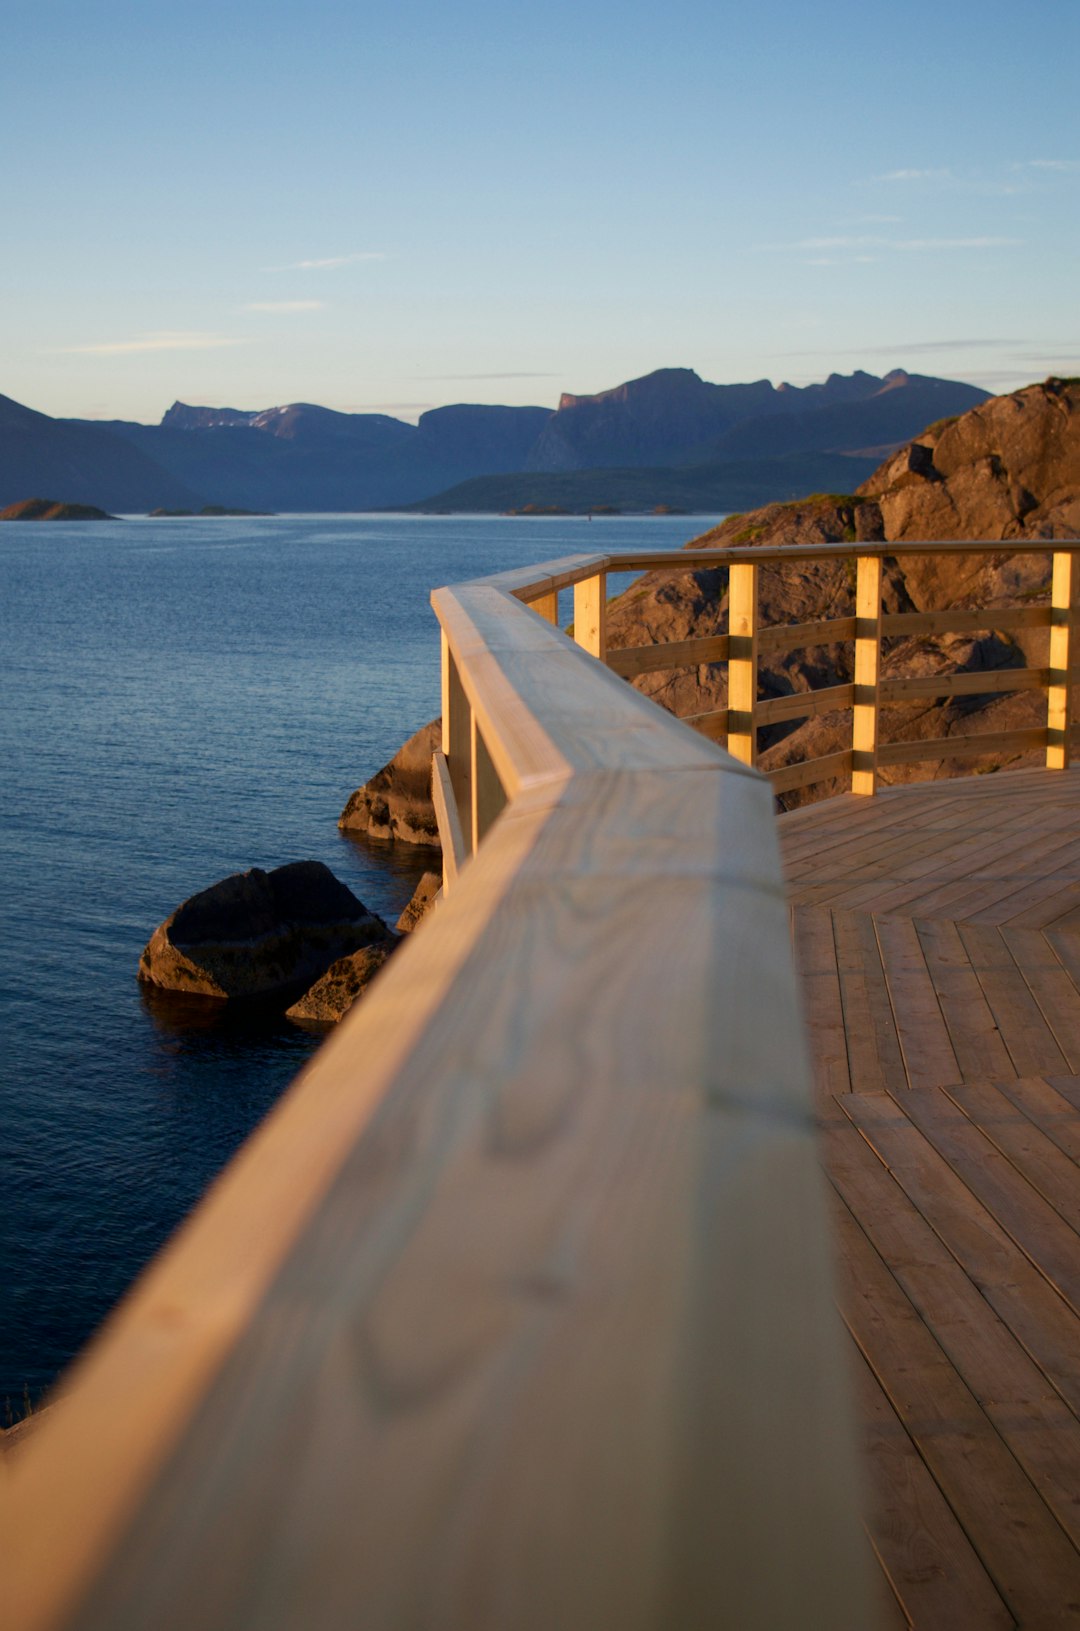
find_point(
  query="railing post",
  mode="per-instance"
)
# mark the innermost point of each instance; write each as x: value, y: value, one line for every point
x: 1059, y: 691
x: 547, y: 607
x: 742, y: 661
x: 457, y: 736
x: 488, y: 797
x: 590, y: 615
x: 867, y: 664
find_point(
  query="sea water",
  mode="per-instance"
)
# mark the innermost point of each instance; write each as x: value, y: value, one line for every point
x: 183, y: 699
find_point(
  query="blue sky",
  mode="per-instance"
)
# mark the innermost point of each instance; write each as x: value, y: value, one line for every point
x: 389, y: 207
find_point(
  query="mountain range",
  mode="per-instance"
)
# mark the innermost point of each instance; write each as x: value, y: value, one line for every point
x: 668, y: 438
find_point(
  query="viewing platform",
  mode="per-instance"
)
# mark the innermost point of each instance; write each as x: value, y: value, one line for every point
x: 518, y: 1313
x: 937, y: 936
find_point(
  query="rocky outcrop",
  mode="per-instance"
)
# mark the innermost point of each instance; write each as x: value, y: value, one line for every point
x: 259, y: 935
x: 331, y: 997
x: 50, y: 509
x: 396, y: 802
x: 422, y: 901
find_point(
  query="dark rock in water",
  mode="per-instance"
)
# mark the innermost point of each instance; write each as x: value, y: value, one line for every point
x: 421, y: 903
x: 331, y: 997
x: 50, y: 509
x: 259, y: 934
x: 396, y: 802
x: 207, y: 510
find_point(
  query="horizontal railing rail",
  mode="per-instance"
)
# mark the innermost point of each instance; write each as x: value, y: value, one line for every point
x: 746, y: 640
x: 516, y: 1311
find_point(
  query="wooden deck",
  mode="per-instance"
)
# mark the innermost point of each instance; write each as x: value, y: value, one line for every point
x: 937, y: 933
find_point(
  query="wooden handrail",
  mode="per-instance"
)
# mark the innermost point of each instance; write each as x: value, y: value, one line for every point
x: 517, y: 1310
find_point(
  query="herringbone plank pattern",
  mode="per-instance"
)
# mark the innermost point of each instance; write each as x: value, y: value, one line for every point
x: 937, y: 932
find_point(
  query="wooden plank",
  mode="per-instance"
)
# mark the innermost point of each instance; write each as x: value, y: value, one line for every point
x: 926, y: 1556
x: 772, y: 554
x: 797, y: 636
x: 1014, y: 1288
x: 454, y: 850
x: 998, y: 865
x: 1031, y: 1043
x: 590, y: 615
x: 1067, y: 948
x: 630, y: 661
x: 488, y: 793
x: 823, y: 768
x: 874, y: 1055
x: 929, y: 1058
x: 742, y: 661
x: 976, y: 1041
x: 1031, y: 1418
x: 1059, y: 693
x: 1068, y: 1087
x: 931, y: 838
x: 953, y: 620
x: 865, y: 719
x: 546, y: 606
x: 1032, y: 1563
x: 712, y: 725
x: 1046, y: 1167
x: 961, y: 747
x: 1050, y: 985
x: 957, y: 684
x: 457, y: 729
x: 810, y: 833
x: 819, y: 981
x: 1048, y: 1108
x: 826, y: 699
x: 1045, y: 1239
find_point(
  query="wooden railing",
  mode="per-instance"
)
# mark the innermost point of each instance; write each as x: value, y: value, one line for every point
x: 516, y: 1311
x: 745, y: 641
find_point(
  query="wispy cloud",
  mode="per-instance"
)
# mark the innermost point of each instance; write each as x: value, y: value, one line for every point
x: 161, y: 340
x: 915, y: 175
x: 905, y: 245
x: 284, y: 305
x: 911, y: 347
x: 329, y: 263
x: 488, y: 376
x: 1047, y: 164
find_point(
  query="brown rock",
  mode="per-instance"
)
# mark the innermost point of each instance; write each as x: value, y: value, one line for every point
x: 396, y: 802
x: 331, y: 997
x: 259, y: 934
x: 421, y: 903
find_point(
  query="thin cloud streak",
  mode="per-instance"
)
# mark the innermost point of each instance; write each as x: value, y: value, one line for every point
x: 163, y: 340
x: 487, y: 376
x: 908, y: 347
x: 284, y: 305
x: 1047, y: 164
x: 904, y: 245
x: 330, y: 263
x: 915, y: 175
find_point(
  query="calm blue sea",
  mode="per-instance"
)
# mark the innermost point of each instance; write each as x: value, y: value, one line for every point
x: 183, y: 699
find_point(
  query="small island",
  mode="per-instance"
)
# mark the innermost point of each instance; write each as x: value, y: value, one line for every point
x: 51, y: 509
x: 207, y: 509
